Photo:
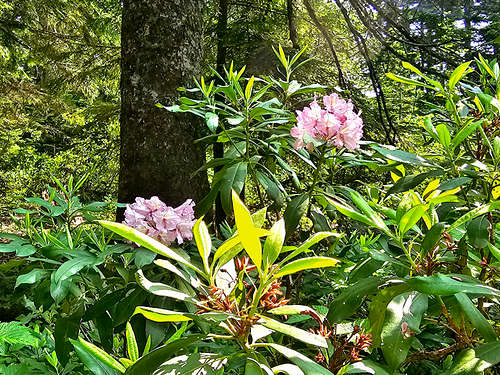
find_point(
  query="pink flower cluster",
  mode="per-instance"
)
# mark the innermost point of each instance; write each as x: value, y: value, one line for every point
x: 337, y: 124
x: 164, y: 223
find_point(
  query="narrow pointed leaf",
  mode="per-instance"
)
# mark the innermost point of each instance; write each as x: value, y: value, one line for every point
x: 203, y: 242
x: 305, y: 264
x: 297, y: 333
x: 132, y: 348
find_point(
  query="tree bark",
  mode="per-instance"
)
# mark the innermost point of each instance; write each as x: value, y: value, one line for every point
x: 310, y: 10
x: 292, y: 28
x: 161, y: 50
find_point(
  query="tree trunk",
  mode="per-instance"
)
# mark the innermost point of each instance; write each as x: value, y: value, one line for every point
x: 161, y: 50
x: 292, y: 28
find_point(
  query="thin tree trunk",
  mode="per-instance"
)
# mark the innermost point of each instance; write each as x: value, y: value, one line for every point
x: 159, y: 55
x: 292, y: 28
x: 324, y: 32
x: 377, y: 87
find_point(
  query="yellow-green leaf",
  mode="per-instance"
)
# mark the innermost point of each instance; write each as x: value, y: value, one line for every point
x: 132, y: 348
x: 203, y: 242
x: 247, y: 231
x: 161, y: 315
x: 305, y: 264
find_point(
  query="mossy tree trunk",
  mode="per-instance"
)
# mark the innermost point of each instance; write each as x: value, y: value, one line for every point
x: 161, y: 50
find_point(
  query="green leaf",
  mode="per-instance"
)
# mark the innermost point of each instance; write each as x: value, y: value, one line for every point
x: 96, y: 359
x: 20, y: 245
x: 436, y: 84
x: 464, y: 133
x: 405, y: 310
x: 247, y: 232
x: 476, y: 318
x: 73, y: 266
x: 454, y: 183
x: 297, y: 333
x: 248, y: 89
x: 411, y: 217
x: 458, y: 74
x: 478, y: 232
x: 161, y: 315
x: 403, y: 157
x: 375, y: 218
x: 16, y: 333
x: 489, y: 101
x: 271, y: 188
x: 494, y: 251
x: 349, y: 212
x: 253, y: 367
x: 305, y: 264
x: 292, y: 310
x: 274, y: 243
x: 444, y: 135
x: 441, y: 285
x: 366, y: 367
x: 203, y: 242
x: 149, y: 363
x: 311, y: 241
x: 145, y: 241
x: 132, y: 348
x: 378, y: 308
x: 31, y: 277
x: 432, y: 238
x: 162, y: 290
x: 409, y: 182
x: 466, y: 363
x: 489, y: 352
x: 294, y: 211
x: 473, y: 214
x: 212, y: 121
x: 233, y: 178
x: 351, y: 298
x: 307, y: 365
x: 288, y: 369
x: 430, y: 128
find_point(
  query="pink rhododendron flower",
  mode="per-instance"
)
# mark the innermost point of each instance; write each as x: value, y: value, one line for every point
x: 337, y: 124
x: 164, y: 223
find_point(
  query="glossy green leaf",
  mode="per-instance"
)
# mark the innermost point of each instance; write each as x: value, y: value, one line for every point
x: 253, y: 367
x: 344, y: 305
x: 442, y: 285
x: 296, y: 333
x: 366, y: 367
x: 478, y: 233
x: 233, y: 178
x: 288, y: 369
x: 305, y: 264
x: 311, y: 241
x: 350, y: 212
x: 444, y: 135
x: 274, y: 243
x: 403, y: 157
x: 247, y: 231
x: 475, y: 317
x: 308, y: 366
x: 466, y: 363
x: 96, y: 359
x: 73, y: 266
x: 464, y: 133
x: 161, y: 315
x: 203, y: 242
x: 212, y: 121
x: 149, y: 363
x: 459, y: 72
x: 409, y: 182
x: 407, y: 81
x: 145, y: 241
x: 411, y: 217
x: 162, y: 290
x: 405, y: 310
x: 489, y: 352
x: 432, y: 238
x: 378, y: 309
x: 294, y: 211
x: 31, y: 277
x: 473, y: 214
x: 132, y: 348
